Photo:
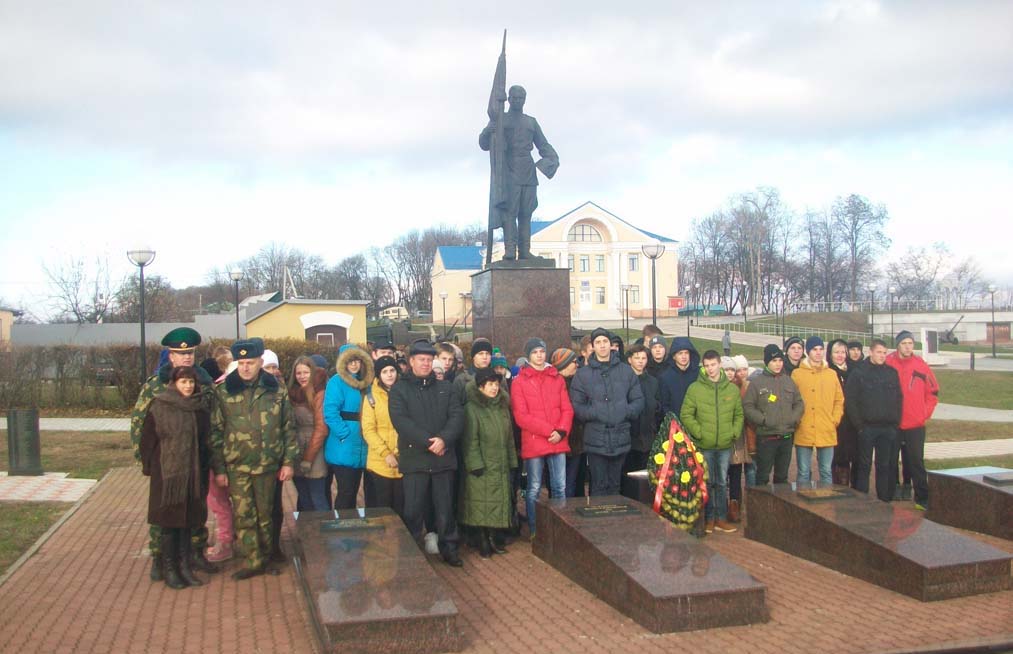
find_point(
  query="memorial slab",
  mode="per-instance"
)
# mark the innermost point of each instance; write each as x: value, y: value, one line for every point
x: 368, y: 586
x: 978, y: 499
x: 885, y: 544
x: 645, y: 567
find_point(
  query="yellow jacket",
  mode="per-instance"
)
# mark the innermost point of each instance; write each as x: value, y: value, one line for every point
x: 824, y: 404
x: 378, y: 432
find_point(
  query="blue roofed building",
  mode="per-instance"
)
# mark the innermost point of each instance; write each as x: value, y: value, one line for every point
x: 610, y: 272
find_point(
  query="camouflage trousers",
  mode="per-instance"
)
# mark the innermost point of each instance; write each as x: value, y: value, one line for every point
x: 198, y: 535
x: 252, y: 503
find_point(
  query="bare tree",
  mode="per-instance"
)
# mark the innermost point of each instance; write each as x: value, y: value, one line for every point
x: 860, y: 226
x: 79, y: 293
x: 917, y: 271
x: 161, y: 302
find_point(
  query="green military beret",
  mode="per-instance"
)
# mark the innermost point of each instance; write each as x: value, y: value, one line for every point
x: 181, y: 339
x: 252, y: 348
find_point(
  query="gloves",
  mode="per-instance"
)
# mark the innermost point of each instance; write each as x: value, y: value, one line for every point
x: 304, y: 467
x: 478, y: 472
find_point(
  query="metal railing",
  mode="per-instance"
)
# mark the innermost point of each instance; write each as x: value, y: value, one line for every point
x: 774, y: 329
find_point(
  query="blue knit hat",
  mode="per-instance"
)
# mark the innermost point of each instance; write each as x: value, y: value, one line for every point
x: 813, y: 341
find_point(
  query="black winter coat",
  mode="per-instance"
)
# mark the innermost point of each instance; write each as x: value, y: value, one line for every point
x: 873, y: 396
x: 606, y: 397
x: 646, y: 429
x: 421, y: 408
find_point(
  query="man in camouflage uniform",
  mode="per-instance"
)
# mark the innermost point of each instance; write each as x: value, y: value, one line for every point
x: 182, y: 343
x: 252, y: 444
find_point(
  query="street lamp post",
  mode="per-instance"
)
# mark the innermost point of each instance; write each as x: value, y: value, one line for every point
x: 142, y: 257
x: 991, y: 291
x: 443, y: 296
x: 688, y: 296
x: 872, y: 309
x: 784, y: 307
x: 893, y: 291
x: 236, y: 276
x: 653, y: 251
x: 626, y: 309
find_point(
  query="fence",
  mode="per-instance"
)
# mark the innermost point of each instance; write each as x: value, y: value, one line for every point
x: 775, y: 329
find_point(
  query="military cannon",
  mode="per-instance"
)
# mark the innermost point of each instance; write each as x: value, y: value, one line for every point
x: 947, y: 336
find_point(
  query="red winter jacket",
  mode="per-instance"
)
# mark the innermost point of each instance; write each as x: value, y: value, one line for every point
x: 919, y: 388
x: 540, y: 405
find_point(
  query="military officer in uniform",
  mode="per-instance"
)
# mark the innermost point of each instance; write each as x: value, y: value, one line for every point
x: 252, y: 444
x: 182, y: 343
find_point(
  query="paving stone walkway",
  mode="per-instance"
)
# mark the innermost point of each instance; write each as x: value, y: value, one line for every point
x: 86, y: 590
x: 50, y: 487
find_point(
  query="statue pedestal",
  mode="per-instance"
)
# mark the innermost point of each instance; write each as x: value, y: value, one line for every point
x: 510, y: 304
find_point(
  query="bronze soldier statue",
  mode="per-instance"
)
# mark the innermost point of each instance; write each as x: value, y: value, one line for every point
x: 509, y: 138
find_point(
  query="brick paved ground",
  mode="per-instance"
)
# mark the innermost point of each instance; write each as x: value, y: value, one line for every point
x: 87, y: 591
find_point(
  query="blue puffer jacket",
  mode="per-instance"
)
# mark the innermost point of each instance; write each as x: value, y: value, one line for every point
x: 675, y: 382
x: 606, y: 397
x: 342, y: 405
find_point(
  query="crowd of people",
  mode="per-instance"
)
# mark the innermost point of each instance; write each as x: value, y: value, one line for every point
x: 450, y: 448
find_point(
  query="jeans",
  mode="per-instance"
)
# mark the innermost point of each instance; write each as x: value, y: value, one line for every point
x: 911, y: 442
x: 312, y: 494
x: 606, y: 473
x: 348, y: 485
x: 576, y: 474
x: 717, y: 483
x: 804, y: 459
x: 882, y: 441
x: 383, y: 491
x: 772, y: 453
x: 557, y: 477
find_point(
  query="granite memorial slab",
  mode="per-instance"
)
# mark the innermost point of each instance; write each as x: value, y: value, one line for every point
x: 885, y: 544
x: 512, y: 304
x: 979, y: 499
x: 368, y: 586
x: 644, y: 566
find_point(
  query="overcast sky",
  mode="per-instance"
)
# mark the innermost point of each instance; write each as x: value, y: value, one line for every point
x: 208, y: 130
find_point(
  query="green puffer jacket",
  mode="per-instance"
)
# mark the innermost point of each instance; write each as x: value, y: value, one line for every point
x: 487, y: 445
x: 252, y: 429
x: 712, y: 412
x: 155, y: 385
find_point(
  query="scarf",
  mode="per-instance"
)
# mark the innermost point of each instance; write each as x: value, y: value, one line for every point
x: 176, y: 428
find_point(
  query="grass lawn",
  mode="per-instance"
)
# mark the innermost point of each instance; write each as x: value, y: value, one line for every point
x: 81, y: 454
x: 983, y: 389
x: 1001, y: 461
x: 948, y: 431
x: 21, y: 524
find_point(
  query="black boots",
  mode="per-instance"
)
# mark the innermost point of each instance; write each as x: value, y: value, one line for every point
x: 485, y: 544
x: 185, y: 558
x: 197, y: 559
x: 170, y: 560
x: 156, y: 567
x: 498, y: 541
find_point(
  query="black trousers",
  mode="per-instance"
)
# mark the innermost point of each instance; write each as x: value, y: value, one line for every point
x: 348, y: 485
x: 912, y: 443
x: 383, y: 491
x: 606, y: 473
x: 576, y: 474
x: 422, y: 489
x: 881, y: 441
x: 773, y: 453
x: 735, y: 481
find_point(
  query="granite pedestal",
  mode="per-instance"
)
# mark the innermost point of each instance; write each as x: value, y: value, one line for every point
x: 369, y: 587
x: 885, y: 544
x: 512, y: 304
x: 645, y: 567
x: 979, y: 499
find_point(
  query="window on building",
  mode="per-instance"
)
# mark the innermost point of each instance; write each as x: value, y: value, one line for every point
x: 599, y: 263
x: 569, y: 262
x: 585, y: 263
x: 584, y: 232
x: 634, y: 263
x: 573, y: 297
x: 634, y: 295
x: 599, y: 295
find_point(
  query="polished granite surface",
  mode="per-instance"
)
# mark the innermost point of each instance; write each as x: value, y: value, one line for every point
x: 890, y: 545
x: 372, y: 590
x: 645, y: 567
x: 511, y: 305
x: 970, y: 500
